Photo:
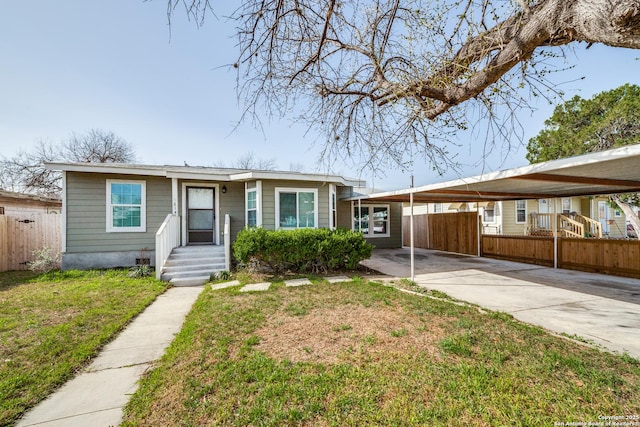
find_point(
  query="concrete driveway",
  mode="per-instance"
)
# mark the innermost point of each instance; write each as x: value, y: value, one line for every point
x: 600, y: 308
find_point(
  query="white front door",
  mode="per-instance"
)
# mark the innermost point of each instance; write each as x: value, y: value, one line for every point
x: 543, y: 206
x: 603, y: 216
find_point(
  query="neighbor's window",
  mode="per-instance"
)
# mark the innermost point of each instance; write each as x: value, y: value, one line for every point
x: 371, y: 220
x: 1, y: 210
x: 296, y: 208
x: 566, y: 205
x: 521, y: 211
x: 126, y: 206
x: 437, y: 208
x: 252, y: 208
x: 490, y: 212
x: 617, y: 213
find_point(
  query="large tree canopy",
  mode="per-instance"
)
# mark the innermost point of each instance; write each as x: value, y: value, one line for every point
x: 388, y: 79
x: 579, y: 126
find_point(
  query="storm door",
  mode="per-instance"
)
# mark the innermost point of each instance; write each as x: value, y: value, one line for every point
x: 200, y: 215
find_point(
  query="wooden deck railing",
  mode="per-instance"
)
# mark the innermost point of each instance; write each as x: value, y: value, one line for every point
x: 568, y: 227
x: 593, y: 227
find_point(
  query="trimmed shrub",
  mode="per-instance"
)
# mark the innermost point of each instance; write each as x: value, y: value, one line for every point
x: 315, y: 250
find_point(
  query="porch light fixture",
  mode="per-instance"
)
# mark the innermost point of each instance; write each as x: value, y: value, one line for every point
x: 224, y: 188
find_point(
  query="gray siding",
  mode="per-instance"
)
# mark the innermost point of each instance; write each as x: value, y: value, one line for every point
x: 86, y: 213
x: 345, y: 220
x: 395, y: 231
x: 232, y: 203
x: 269, y: 203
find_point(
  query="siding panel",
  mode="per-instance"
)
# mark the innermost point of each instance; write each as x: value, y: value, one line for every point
x: 86, y: 213
x: 269, y: 203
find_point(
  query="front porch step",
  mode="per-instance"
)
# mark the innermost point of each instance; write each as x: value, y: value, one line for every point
x: 190, y: 281
x: 185, y: 262
x: 193, y: 265
x: 203, y: 271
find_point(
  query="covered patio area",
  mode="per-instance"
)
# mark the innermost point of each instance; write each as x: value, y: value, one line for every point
x: 608, y: 172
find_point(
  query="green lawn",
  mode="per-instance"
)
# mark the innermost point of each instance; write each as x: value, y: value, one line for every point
x: 362, y: 353
x: 52, y: 325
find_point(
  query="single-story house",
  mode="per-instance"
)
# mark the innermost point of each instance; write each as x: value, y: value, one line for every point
x: 578, y: 216
x: 118, y: 215
x: 12, y: 203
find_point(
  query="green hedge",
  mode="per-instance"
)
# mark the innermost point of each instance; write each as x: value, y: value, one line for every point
x: 316, y: 250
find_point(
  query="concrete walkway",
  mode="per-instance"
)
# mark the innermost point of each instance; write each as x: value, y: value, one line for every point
x: 97, y: 395
x: 603, y: 309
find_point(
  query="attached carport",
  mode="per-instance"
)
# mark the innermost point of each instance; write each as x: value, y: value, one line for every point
x: 608, y: 172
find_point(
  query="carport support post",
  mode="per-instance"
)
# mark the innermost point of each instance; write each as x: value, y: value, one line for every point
x: 555, y: 235
x: 411, y: 231
x: 479, y: 227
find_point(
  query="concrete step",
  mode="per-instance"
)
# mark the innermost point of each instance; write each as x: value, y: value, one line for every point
x: 189, y: 255
x: 175, y: 262
x: 198, y: 249
x: 190, y: 281
x: 193, y: 267
x: 190, y: 273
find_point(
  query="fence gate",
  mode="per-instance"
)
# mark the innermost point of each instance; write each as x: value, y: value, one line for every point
x: 451, y: 232
x: 20, y: 235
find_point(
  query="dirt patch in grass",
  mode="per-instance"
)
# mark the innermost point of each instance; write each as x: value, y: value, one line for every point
x: 347, y: 332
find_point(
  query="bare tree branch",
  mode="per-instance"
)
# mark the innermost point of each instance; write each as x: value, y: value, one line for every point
x: 394, y: 78
x: 25, y: 172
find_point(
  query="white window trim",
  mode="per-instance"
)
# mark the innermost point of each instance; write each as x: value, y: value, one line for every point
x: 279, y: 190
x: 364, y: 206
x: 258, y: 191
x: 216, y: 188
x: 562, y: 200
x: 333, y: 197
x: 525, y: 211
x: 143, y: 208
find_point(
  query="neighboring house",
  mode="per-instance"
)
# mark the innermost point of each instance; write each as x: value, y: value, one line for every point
x: 578, y: 216
x: 19, y: 204
x: 112, y: 212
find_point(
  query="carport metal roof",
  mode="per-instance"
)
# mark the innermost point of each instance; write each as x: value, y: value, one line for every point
x: 607, y: 172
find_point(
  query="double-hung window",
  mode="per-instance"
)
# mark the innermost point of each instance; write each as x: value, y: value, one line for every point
x: 296, y: 208
x: 252, y: 208
x: 521, y: 211
x: 371, y: 220
x: 491, y: 211
x: 126, y: 206
x: 333, y: 208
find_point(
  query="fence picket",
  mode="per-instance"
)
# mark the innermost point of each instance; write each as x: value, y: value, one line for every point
x: 20, y: 235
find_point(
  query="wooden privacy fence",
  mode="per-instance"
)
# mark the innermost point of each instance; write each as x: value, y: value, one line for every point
x: 23, y: 234
x: 608, y: 256
x: 451, y: 232
x: 527, y: 249
x: 458, y: 232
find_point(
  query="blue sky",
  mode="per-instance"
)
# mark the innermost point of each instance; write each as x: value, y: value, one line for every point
x: 69, y: 66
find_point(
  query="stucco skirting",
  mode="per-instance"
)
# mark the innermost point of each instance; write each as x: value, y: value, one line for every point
x: 85, y: 261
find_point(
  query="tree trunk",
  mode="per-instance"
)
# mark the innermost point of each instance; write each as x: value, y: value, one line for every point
x: 629, y: 213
